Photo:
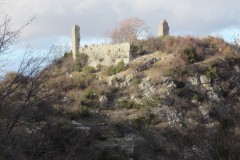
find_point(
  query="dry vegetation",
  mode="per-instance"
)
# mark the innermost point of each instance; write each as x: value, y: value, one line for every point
x: 92, y: 114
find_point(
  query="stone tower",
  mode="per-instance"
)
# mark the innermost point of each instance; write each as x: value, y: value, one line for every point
x: 75, y: 41
x: 163, y: 28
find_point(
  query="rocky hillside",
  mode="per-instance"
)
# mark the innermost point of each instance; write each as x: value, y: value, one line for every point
x: 178, y: 99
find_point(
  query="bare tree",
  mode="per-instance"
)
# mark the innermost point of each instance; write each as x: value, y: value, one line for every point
x: 8, y: 36
x: 23, y: 94
x: 21, y: 90
x: 236, y: 45
x: 129, y: 30
x: 59, y: 50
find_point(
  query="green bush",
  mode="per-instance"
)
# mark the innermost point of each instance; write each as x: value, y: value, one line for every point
x: 138, y: 120
x: 146, y: 119
x: 134, y: 48
x: 210, y: 72
x: 190, y: 55
x: 136, y: 81
x: 198, y: 96
x: 81, y: 61
x: 180, y: 92
x: 82, y: 112
x: 152, y: 102
x: 67, y: 54
x: 129, y: 104
x: 82, y: 79
x: 78, y: 68
x: 120, y: 67
x: 152, y: 119
x: 89, y: 95
x: 88, y: 69
x: 111, y: 70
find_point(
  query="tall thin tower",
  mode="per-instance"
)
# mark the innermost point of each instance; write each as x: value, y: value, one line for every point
x: 163, y: 28
x: 75, y: 41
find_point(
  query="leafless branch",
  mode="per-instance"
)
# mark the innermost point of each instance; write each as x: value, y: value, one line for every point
x: 129, y: 30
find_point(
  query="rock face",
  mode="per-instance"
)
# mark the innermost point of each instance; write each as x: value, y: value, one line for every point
x: 147, y: 87
x: 103, y: 100
x: 237, y: 68
x: 205, y: 81
x: 168, y: 116
x: 75, y: 40
x: 212, y: 95
x: 193, y: 81
x: 147, y: 64
x: 204, y: 110
x: 163, y: 29
x: 119, y: 81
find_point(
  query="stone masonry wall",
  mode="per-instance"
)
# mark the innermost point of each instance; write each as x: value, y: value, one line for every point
x: 107, y: 54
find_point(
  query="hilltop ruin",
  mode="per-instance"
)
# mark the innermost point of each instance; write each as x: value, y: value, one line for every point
x: 107, y: 54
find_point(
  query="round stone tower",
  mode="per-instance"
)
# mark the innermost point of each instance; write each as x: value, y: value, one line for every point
x: 163, y: 28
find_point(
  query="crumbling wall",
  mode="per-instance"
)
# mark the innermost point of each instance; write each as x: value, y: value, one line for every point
x: 107, y: 54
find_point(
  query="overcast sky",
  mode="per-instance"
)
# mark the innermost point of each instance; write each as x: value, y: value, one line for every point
x: 54, y: 18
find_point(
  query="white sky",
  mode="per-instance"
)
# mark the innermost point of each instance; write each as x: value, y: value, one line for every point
x: 54, y: 18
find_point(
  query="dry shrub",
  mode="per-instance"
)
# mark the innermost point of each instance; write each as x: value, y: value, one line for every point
x: 111, y: 70
x: 203, y: 48
x: 81, y: 60
x: 81, y: 79
x: 162, y: 68
x: 150, y: 45
x: 60, y: 83
x: 13, y: 76
x: 101, y: 87
x: 74, y: 95
x: 61, y: 66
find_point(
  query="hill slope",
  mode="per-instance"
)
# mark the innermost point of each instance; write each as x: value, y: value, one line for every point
x: 178, y: 99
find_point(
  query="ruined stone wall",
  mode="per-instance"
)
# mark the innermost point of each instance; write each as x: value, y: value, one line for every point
x: 107, y: 54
